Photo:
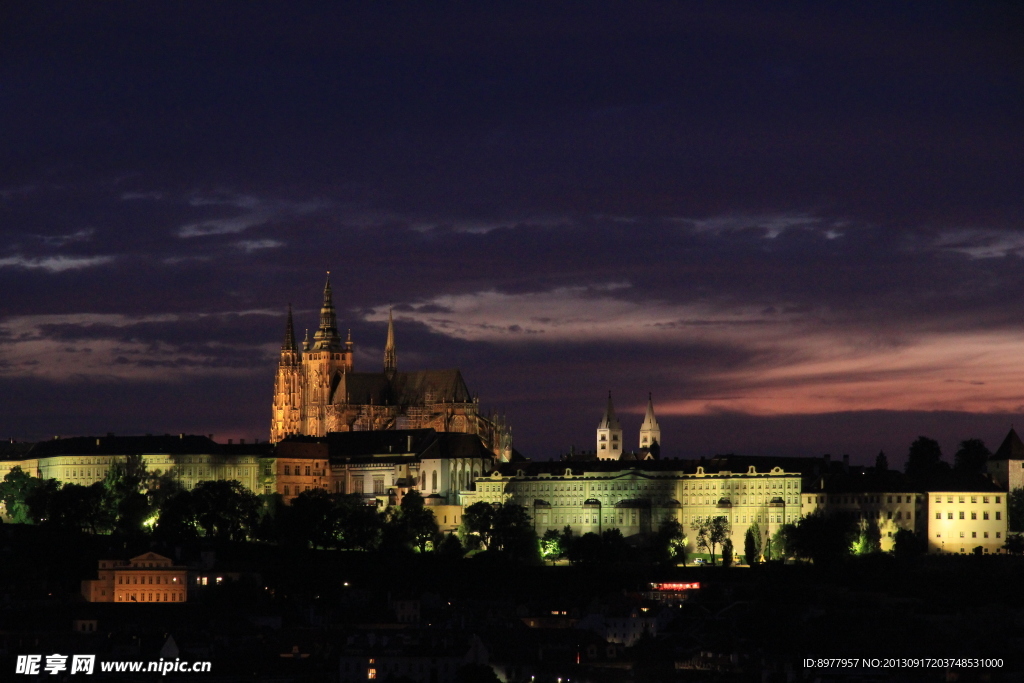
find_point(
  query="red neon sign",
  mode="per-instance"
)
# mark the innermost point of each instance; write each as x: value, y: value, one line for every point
x: 675, y: 586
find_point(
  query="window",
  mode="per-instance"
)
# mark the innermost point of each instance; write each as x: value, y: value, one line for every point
x: 287, y: 491
x: 984, y: 515
x: 287, y: 469
x: 997, y: 499
x: 961, y: 534
x: 998, y: 534
x: 984, y: 499
x: 938, y: 499
x: 974, y: 499
x: 999, y: 515
x: 961, y: 499
x: 974, y: 515
x: 986, y: 534
x: 949, y: 515
x: 961, y: 514
x: 974, y: 534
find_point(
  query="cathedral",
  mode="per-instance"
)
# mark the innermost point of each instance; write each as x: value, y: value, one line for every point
x: 317, y: 391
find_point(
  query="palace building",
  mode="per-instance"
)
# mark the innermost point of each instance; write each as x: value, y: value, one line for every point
x: 318, y: 391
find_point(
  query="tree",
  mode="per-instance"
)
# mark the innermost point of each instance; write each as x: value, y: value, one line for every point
x: 615, y: 546
x: 869, y: 538
x: 76, y: 507
x: 449, y: 547
x: 17, y: 486
x: 727, y: 553
x: 1015, y: 510
x: 1014, y: 544
x: 971, y: 457
x: 823, y: 538
x: 511, y: 522
x: 881, y: 462
x: 412, y: 523
x: 124, y: 502
x: 309, y: 520
x: 669, y: 543
x: 711, y: 532
x: 906, y: 544
x: 752, y: 544
x: 587, y: 549
x: 356, y: 525
x: 176, y: 523
x: 478, y: 519
x: 225, y: 509
x: 924, y: 460
x: 781, y: 542
x: 550, y: 545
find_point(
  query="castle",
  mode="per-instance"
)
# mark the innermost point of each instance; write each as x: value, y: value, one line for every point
x: 317, y: 391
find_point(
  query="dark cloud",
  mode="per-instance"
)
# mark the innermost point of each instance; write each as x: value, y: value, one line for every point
x: 703, y: 202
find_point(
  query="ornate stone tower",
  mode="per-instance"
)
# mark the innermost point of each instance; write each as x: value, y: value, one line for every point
x: 609, y: 434
x: 286, y: 416
x: 650, y: 432
x: 322, y: 359
x: 390, y: 357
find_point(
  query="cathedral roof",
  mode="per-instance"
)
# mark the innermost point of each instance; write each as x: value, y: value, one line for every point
x: 405, y: 388
x: 1011, y: 449
x: 423, y: 443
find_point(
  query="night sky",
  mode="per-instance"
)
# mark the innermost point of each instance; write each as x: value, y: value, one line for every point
x: 801, y: 228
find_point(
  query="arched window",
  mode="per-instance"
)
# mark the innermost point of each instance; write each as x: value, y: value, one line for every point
x: 433, y: 481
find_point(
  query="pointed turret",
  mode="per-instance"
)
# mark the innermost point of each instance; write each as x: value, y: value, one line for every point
x: 327, y: 338
x: 289, y: 334
x: 650, y: 432
x: 390, y: 357
x: 286, y: 410
x: 1006, y: 465
x: 609, y: 421
x: 609, y: 434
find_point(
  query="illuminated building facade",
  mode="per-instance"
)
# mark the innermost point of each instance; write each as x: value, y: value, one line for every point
x: 148, y: 578
x: 596, y: 496
x: 317, y: 391
x: 960, y: 521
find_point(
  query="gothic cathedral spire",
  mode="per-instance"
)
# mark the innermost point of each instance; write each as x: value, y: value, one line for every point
x: 609, y: 434
x: 650, y: 432
x: 327, y: 337
x: 390, y: 357
x: 286, y: 415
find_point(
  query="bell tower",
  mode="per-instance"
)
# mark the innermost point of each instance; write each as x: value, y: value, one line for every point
x: 322, y: 359
x: 650, y: 432
x: 286, y: 414
x: 609, y: 434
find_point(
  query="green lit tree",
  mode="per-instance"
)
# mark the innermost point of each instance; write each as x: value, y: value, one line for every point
x: 551, y: 545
